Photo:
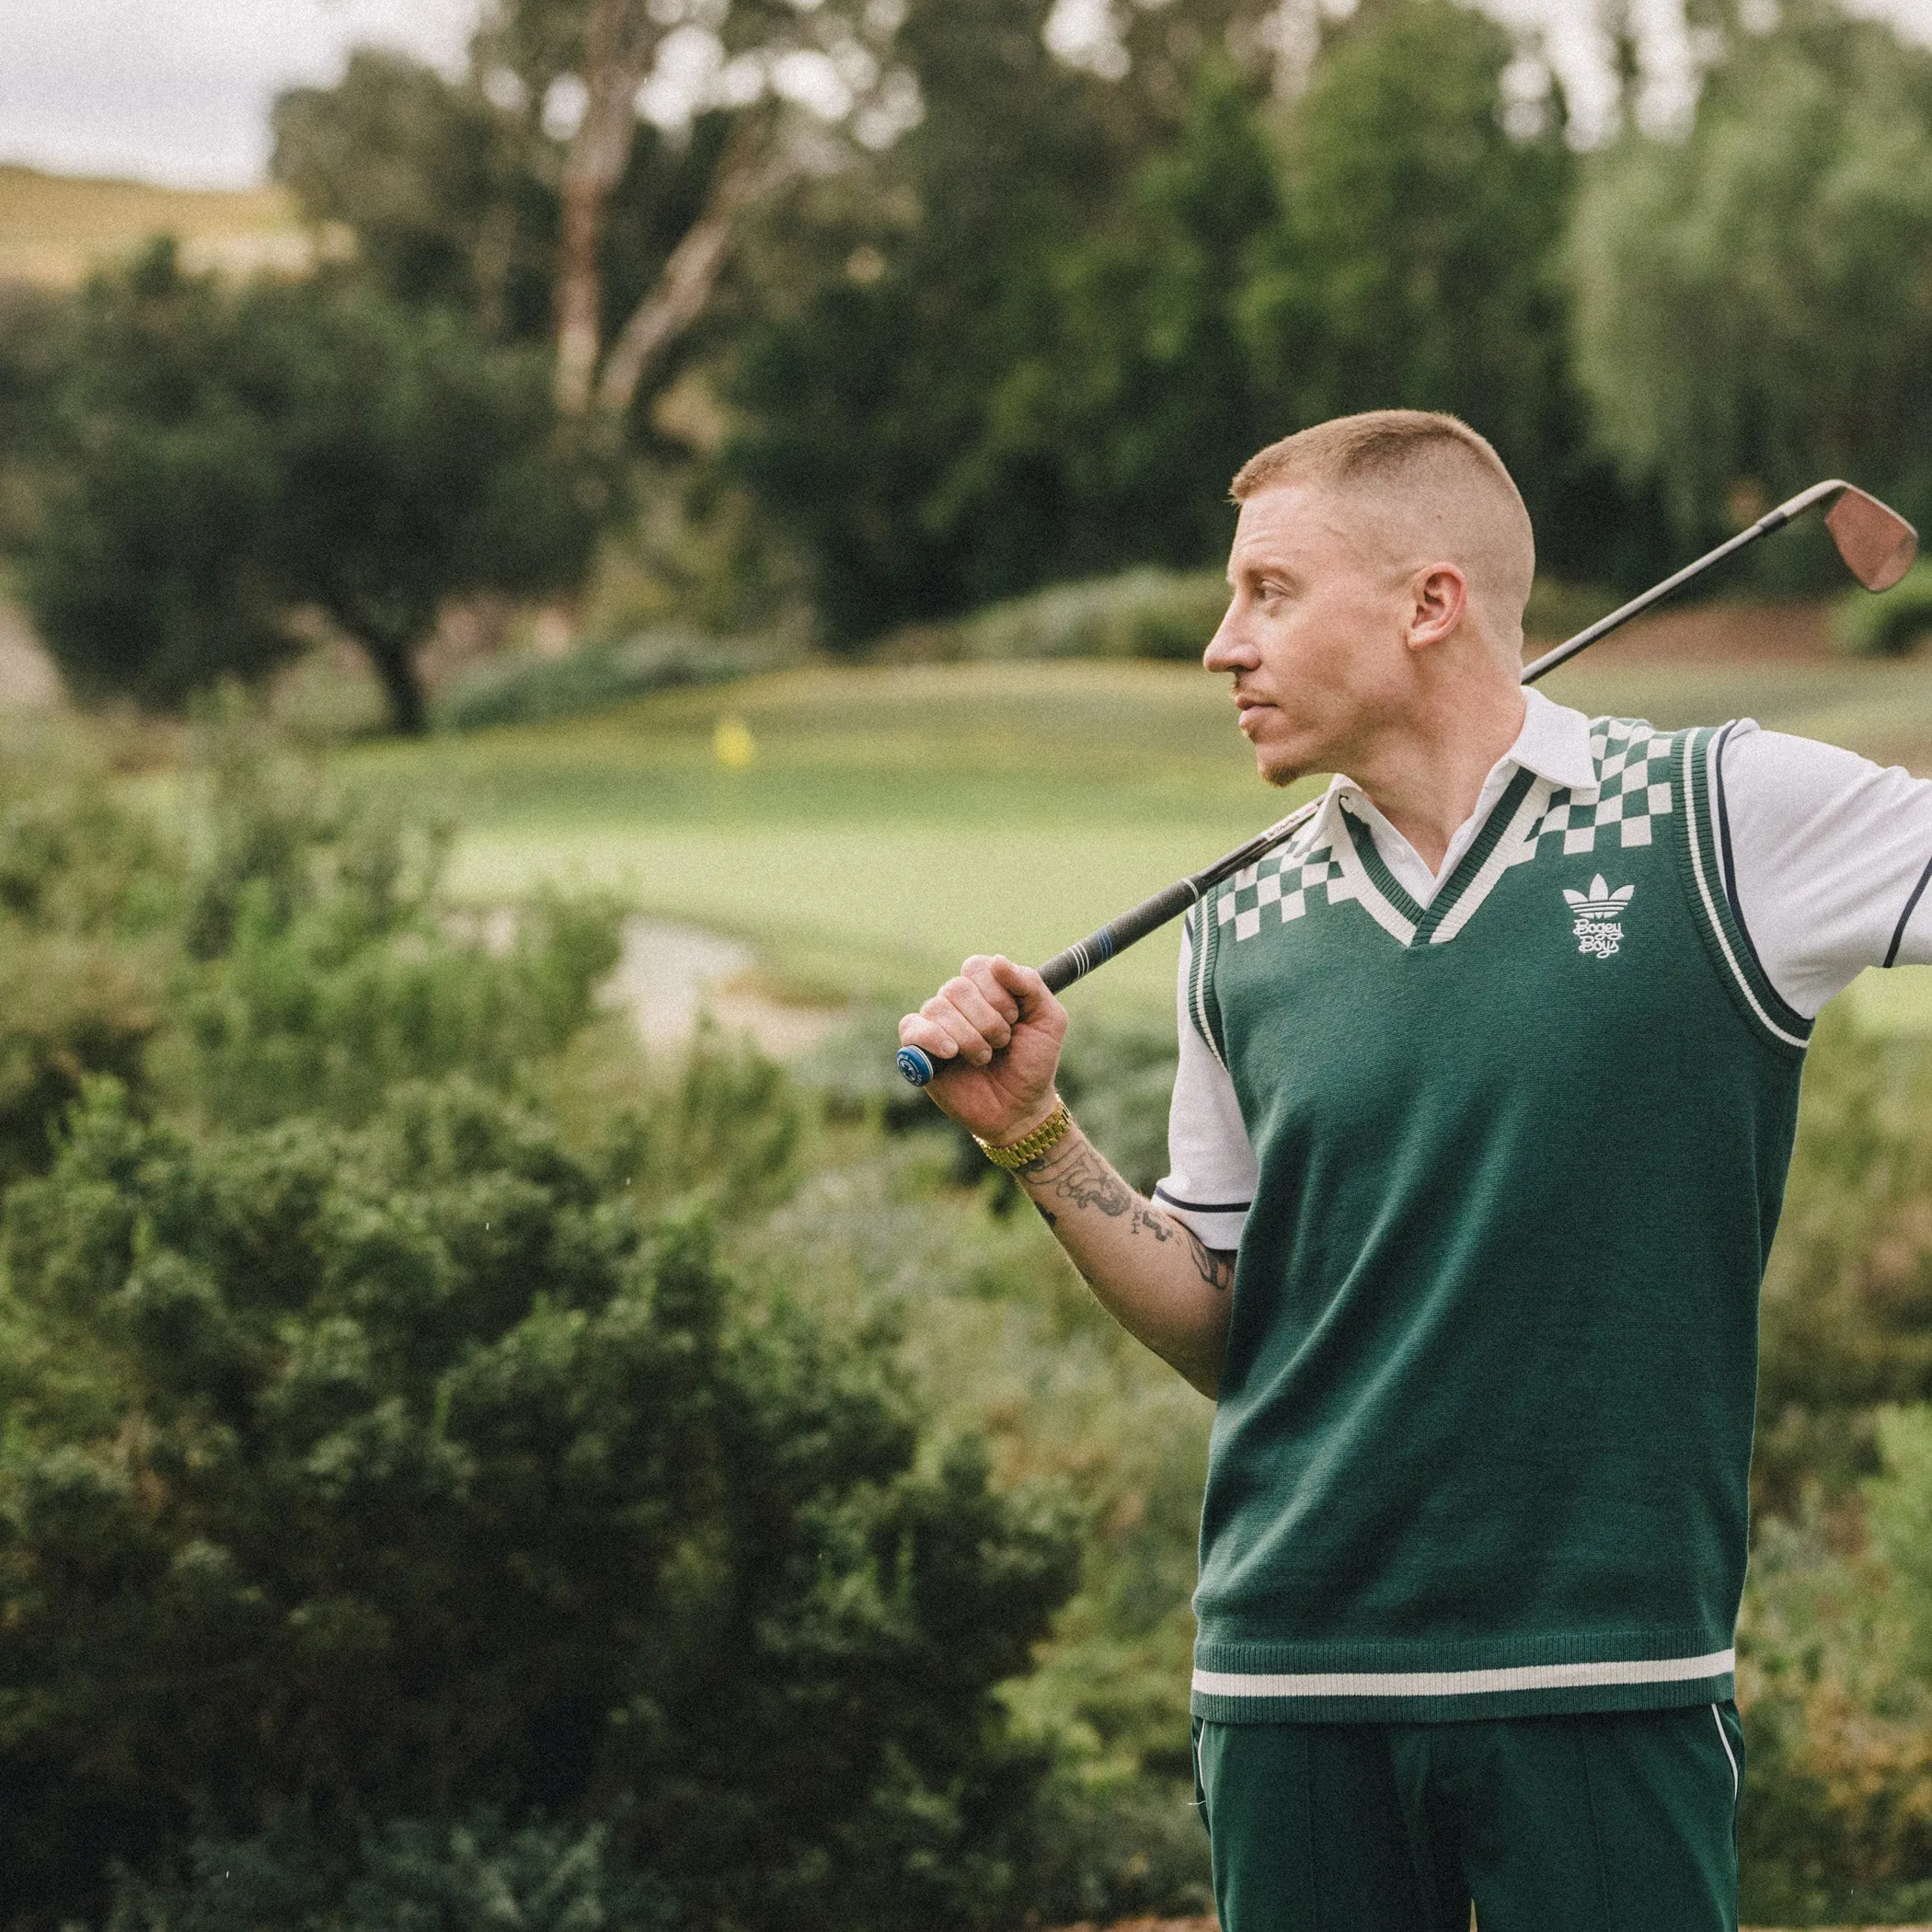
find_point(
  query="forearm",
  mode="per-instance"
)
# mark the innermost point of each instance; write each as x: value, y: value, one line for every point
x: 1154, y: 1275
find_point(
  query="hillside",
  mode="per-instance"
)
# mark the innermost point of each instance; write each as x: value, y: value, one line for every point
x: 54, y: 228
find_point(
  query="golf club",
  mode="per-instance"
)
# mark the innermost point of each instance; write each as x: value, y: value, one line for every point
x: 1877, y: 544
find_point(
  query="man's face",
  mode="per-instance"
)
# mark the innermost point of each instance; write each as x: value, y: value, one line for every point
x: 1314, y: 637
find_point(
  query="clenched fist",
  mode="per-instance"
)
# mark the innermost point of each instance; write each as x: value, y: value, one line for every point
x: 992, y: 1034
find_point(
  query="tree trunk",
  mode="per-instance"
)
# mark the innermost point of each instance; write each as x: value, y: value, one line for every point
x: 578, y: 294
x: 684, y: 286
x: 620, y: 43
x: 396, y: 666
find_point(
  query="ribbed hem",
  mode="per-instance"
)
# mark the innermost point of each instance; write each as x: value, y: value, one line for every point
x: 1332, y: 1683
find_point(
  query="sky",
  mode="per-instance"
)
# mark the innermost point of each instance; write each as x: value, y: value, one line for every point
x: 178, y: 91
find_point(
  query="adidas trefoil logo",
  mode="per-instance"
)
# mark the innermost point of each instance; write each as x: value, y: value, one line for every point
x: 1597, y: 918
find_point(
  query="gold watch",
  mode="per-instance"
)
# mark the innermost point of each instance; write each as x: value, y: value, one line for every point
x: 1016, y: 1153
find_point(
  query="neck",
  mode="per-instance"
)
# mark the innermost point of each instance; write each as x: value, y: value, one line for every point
x: 1425, y: 773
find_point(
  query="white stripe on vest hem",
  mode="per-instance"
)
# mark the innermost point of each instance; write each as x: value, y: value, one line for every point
x: 1460, y: 1683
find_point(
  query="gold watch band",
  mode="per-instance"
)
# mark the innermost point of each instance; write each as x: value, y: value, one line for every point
x: 1016, y: 1153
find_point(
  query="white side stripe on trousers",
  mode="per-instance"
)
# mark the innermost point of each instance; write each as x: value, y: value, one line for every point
x: 1731, y: 1756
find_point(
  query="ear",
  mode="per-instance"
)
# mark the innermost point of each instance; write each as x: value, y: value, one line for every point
x: 1441, y: 595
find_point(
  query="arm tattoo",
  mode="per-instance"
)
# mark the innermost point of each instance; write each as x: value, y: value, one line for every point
x: 1217, y: 1268
x: 1081, y: 1178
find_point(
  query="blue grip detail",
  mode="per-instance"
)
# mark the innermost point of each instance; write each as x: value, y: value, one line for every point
x: 914, y: 1065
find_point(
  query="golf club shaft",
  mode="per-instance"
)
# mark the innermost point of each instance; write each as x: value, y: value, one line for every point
x: 1117, y: 934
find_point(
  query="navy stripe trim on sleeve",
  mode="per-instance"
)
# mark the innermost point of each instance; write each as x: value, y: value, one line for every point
x: 1898, y: 932
x: 1202, y: 1207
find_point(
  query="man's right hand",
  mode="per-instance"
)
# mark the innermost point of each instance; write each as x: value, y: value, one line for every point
x: 993, y: 1034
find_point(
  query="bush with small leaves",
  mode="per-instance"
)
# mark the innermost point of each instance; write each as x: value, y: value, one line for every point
x: 399, y: 1470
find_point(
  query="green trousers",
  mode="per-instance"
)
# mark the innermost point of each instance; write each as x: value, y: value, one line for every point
x: 1620, y: 1822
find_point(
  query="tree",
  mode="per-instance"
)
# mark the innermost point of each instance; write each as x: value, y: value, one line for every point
x: 1146, y: 395
x: 435, y: 183
x: 899, y: 306
x: 1419, y: 264
x: 1054, y: 358
x: 1751, y: 311
x: 228, y: 459
x: 389, y: 1473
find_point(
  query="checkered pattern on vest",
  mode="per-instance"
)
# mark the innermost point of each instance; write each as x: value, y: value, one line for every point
x: 1285, y: 878
x: 1626, y: 798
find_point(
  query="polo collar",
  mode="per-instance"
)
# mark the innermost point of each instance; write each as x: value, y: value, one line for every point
x: 1554, y: 743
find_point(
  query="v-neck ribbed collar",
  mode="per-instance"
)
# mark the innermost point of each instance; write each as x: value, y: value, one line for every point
x: 1554, y: 743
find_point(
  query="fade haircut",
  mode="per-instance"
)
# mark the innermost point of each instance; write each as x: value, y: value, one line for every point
x: 1456, y: 483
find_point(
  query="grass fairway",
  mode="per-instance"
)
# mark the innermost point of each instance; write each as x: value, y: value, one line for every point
x: 894, y: 819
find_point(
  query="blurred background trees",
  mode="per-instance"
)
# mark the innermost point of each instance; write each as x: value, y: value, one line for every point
x: 1743, y: 322
x: 225, y: 463
x: 889, y: 310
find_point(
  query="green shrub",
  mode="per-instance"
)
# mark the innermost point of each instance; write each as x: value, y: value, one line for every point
x: 1139, y: 613
x: 398, y: 1471
x: 1559, y: 610
x: 1847, y: 1298
x: 320, y: 971
x: 1891, y: 624
x: 1836, y: 1819
x: 1003, y: 1341
x: 524, y: 688
x: 89, y: 895
x: 405, y: 1875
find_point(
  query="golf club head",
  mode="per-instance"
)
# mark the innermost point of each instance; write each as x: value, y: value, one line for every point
x: 1877, y: 544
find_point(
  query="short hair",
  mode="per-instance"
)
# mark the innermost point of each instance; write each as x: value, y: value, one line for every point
x: 1408, y: 446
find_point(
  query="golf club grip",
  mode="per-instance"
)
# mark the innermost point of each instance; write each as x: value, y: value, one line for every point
x: 916, y: 1065
x: 1117, y: 934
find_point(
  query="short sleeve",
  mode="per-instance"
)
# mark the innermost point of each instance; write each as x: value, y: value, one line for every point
x: 1211, y: 1181
x: 1827, y: 857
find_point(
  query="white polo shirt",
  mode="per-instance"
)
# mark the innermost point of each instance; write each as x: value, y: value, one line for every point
x: 1826, y: 857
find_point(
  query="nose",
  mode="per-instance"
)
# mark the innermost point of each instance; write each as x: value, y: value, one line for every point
x: 1229, y: 649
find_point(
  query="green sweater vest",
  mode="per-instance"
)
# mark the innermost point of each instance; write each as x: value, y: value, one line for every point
x: 1484, y: 1430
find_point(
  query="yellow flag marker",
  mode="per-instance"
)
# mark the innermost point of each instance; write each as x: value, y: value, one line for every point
x: 732, y: 745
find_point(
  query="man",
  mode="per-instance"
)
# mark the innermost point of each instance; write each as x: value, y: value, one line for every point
x: 1487, y: 1088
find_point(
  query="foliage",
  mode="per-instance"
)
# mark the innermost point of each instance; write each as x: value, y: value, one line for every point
x: 526, y: 688
x: 1418, y: 263
x: 317, y: 971
x: 1836, y: 1821
x: 865, y: 388
x: 1889, y: 624
x: 1144, y: 395
x: 432, y: 181
x: 1394, y: 237
x: 475, y: 1876
x: 226, y: 459
x: 1743, y: 322
x: 1001, y: 1339
x: 32, y: 328
x: 1847, y: 1298
x: 87, y: 893
x: 396, y: 1471
x: 451, y: 195
x: 1144, y: 613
